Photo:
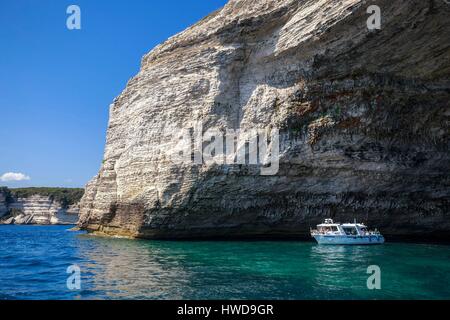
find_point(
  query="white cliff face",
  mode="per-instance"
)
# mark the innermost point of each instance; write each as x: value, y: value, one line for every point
x: 363, y: 117
x: 41, y: 210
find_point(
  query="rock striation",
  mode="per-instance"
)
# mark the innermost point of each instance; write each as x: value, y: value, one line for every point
x: 363, y: 116
x: 41, y: 210
x: 36, y: 209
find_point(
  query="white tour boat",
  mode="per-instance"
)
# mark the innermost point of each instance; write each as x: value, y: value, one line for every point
x: 347, y: 233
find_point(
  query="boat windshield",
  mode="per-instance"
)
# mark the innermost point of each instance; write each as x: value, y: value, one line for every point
x: 328, y: 228
x: 350, y: 231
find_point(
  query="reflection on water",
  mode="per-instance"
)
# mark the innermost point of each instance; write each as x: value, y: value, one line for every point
x: 129, y: 269
x: 33, y: 262
x: 342, y: 270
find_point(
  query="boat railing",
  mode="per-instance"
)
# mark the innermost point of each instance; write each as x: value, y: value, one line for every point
x: 320, y: 232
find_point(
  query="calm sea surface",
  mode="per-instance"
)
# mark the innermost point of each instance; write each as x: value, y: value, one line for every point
x: 34, y: 262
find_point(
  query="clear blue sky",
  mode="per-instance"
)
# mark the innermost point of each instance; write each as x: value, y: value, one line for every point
x: 56, y: 84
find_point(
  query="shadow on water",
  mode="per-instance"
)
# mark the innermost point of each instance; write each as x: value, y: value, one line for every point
x: 33, y: 265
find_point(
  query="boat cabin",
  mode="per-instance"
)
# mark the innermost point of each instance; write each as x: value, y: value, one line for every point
x: 329, y: 227
x: 354, y: 229
x: 349, y: 229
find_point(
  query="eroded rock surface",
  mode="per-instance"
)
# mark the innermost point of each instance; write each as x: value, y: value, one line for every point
x: 36, y: 209
x: 364, y: 118
x: 41, y: 210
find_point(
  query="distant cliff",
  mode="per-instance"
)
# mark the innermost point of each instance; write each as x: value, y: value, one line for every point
x: 363, y: 116
x: 39, y: 205
x: 3, y: 202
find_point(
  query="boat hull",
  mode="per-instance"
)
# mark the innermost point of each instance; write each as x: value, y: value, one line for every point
x: 354, y: 240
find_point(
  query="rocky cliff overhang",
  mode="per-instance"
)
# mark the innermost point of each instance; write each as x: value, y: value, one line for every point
x: 363, y: 118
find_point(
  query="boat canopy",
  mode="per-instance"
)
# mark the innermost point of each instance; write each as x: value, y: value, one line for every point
x: 328, y: 225
x: 360, y: 225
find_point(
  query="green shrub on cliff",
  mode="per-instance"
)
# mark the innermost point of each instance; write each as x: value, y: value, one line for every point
x: 7, y: 194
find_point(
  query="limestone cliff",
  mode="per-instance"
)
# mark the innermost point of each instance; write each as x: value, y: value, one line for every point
x: 41, y: 210
x: 364, y: 119
x: 34, y: 208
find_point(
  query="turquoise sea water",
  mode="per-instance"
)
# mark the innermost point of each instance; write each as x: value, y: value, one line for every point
x: 34, y: 261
